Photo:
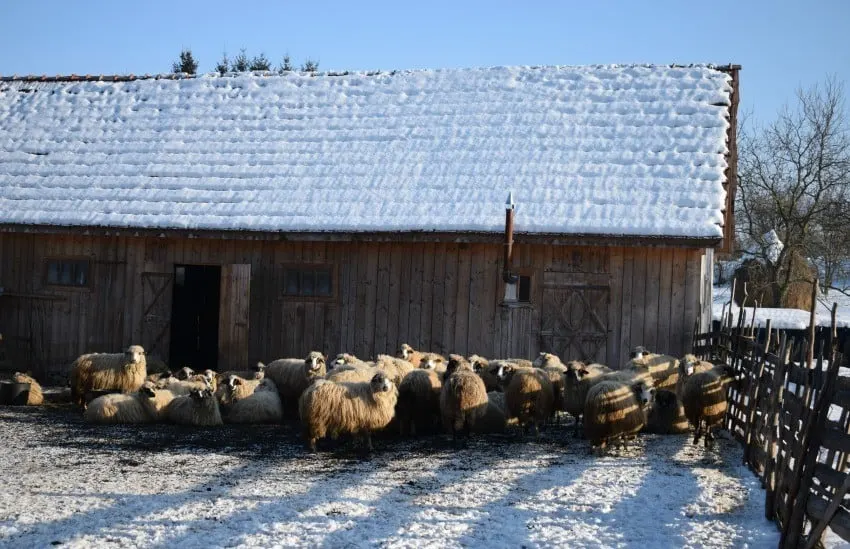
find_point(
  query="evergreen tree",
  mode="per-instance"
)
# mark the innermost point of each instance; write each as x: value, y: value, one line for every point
x: 286, y: 65
x: 310, y: 66
x: 223, y: 66
x: 241, y: 62
x: 186, y: 63
x: 260, y: 63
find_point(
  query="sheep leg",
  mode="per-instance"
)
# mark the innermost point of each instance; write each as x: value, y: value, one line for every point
x: 709, y: 437
x: 368, y: 437
x: 698, y: 432
x: 576, y: 424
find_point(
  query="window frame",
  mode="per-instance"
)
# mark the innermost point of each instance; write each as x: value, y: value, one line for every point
x: 68, y: 259
x: 301, y: 268
x: 531, y: 274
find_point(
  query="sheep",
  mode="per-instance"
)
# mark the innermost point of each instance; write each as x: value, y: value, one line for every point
x: 433, y: 361
x: 263, y: 405
x: 578, y: 379
x: 184, y: 373
x: 236, y: 388
x: 547, y: 359
x: 117, y: 408
x: 328, y: 408
x: 108, y: 371
x: 156, y: 401
x: 416, y: 358
x: 529, y: 395
x: 494, y: 419
x: 662, y: 368
x: 418, y: 407
x: 207, y: 376
x: 293, y: 375
x: 615, y: 411
x: 666, y: 415
x: 488, y: 369
x: 184, y: 387
x: 198, y: 408
x: 352, y: 374
x: 347, y: 359
x: 703, y: 395
x: 463, y: 397
x: 35, y: 397
x: 395, y: 368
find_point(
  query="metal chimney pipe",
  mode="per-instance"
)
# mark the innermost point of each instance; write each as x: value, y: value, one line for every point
x: 508, y: 276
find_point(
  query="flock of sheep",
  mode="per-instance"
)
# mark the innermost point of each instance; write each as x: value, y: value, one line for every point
x: 415, y: 393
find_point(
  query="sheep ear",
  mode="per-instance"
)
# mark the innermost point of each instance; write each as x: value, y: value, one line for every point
x: 583, y: 372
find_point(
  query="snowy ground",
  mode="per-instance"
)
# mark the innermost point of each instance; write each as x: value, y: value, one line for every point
x: 76, y: 485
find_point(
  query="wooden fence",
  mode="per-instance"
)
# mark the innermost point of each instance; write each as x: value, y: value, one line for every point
x: 790, y: 410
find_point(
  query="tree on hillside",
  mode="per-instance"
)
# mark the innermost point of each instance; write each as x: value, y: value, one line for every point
x: 286, y: 64
x: 260, y: 63
x: 310, y: 66
x: 186, y: 63
x: 793, y: 179
x: 223, y: 66
x: 241, y: 62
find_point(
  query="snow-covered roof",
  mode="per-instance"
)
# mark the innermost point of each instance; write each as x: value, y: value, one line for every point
x: 605, y: 150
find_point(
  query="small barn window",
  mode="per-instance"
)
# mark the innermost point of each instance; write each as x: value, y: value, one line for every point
x: 67, y: 272
x: 524, y: 290
x: 310, y: 281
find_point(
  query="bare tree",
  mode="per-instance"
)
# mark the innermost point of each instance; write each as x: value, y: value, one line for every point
x: 793, y: 179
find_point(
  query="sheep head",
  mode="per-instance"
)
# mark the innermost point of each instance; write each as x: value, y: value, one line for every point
x: 576, y: 370
x: 134, y: 354
x: 431, y: 362
x: 505, y: 373
x: 638, y: 353
x: 380, y: 383
x: 688, y: 365
x: 545, y: 359
x: 405, y: 351
x: 456, y: 362
x: 148, y: 390
x: 479, y: 363
x: 184, y: 373
x: 315, y: 364
x: 644, y: 392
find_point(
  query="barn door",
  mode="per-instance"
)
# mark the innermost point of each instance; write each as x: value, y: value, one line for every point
x: 233, y: 317
x: 575, y: 316
x: 156, y: 313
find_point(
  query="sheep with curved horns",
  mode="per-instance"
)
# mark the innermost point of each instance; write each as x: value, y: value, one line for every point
x: 262, y: 405
x: 35, y: 396
x: 198, y: 408
x: 578, y: 379
x: 293, y: 375
x: 529, y: 396
x: 615, y: 411
x: 332, y: 409
x: 463, y: 397
x: 418, y: 407
x: 703, y: 396
x: 124, y: 372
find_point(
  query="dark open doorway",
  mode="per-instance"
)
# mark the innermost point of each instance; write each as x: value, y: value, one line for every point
x: 194, y: 317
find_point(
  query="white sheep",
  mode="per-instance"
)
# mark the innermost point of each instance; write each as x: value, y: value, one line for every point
x: 262, y: 405
x: 117, y: 408
x: 198, y: 408
x: 328, y: 408
x: 293, y: 375
x: 124, y: 372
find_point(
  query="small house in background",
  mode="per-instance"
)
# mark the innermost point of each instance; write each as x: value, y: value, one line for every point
x: 220, y: 220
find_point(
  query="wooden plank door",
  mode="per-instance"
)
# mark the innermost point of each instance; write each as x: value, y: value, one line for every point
x: 156, y: 313
x: 575, y: 316
x: 233, y: 313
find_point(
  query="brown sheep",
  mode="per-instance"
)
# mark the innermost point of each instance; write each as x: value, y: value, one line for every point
x: 529, y: 396
x: 35, y: 396
x: 703, y: 395
x: 666, y: 415
x: 615, y: 411
x: 463, y: 397
x: 124, y: 372
x: 328, y: 408
x: 578, y: 379
x: 418, y: 407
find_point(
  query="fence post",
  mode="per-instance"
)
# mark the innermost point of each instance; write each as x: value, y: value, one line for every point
x: 774, y: 411
x: 753, y: 393
x: 802, y: 481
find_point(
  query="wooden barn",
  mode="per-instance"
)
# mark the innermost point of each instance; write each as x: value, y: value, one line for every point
x: 221, y: 220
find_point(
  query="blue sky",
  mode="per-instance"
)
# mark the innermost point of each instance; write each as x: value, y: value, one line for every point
x: 781, y: 44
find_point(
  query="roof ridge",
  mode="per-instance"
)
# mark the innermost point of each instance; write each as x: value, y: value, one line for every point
x: 186, y: 76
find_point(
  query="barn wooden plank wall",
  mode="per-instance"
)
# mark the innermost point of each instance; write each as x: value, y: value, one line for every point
x: 439, y: 296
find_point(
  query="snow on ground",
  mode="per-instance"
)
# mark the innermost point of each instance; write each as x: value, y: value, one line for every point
x: 76, y: 485
x: 786, y: 319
